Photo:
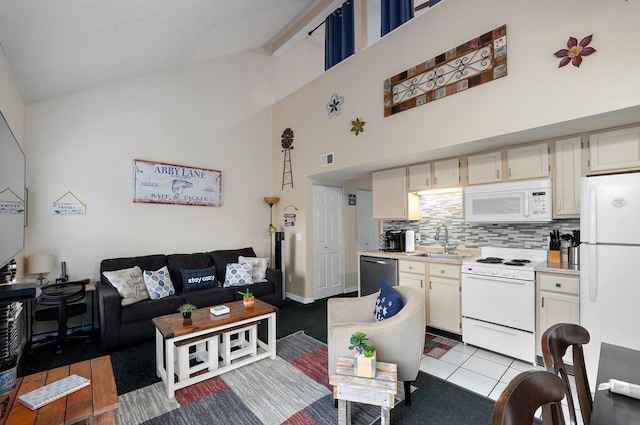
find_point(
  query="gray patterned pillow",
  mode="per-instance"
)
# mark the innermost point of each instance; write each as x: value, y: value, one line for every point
x: 238, y: 274
x: 259, y: 267
x: 158, y: 283
x: 129, y: 283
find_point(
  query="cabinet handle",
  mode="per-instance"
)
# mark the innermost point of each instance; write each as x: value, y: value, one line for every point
x: 542, y: 302
x: 441, y: 270
x: 427, y: 181
x: 559, y: 206
x: 558, y: 285
x: 497, y: 174
x: 429, y: 284
x: 509, y: 171
x: 421, y: 283
x: 435, y: 179
x: 410, y: 267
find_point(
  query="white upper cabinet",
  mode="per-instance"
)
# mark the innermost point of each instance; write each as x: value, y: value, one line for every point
x: 420, y: 177
x: 484, y: 168
x: 390, y: 197
x: 528, y: 162
x: 566, y: 183
x: 446, y: 173
x: 614, y: 150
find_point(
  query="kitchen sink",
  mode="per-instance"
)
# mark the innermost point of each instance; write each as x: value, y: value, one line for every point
x: 441, y: 255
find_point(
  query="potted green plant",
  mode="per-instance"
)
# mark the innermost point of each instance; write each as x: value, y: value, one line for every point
x: 364, y: 362
x: 247, y: 298
x: 186, y: 310
x: 358, y: 341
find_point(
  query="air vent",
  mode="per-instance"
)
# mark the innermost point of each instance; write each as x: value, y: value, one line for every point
x: 326, y: 159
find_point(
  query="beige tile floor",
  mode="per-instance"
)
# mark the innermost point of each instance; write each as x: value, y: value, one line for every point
x: 481, y: 371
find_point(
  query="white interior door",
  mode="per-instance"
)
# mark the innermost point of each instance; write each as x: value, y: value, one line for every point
x: 328, y: 241
x: 368, y: 228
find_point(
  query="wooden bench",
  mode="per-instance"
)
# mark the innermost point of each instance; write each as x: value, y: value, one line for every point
x: 94, y: 404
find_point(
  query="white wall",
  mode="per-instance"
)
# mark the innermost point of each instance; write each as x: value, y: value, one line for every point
x: 11, y: 102
x: 15, y: 112
x: 214, y: 114
x: 535, y: 100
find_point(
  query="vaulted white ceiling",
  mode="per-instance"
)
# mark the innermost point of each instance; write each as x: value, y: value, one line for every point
x: 58, y: 47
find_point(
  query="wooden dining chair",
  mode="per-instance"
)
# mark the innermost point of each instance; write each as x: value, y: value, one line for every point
x: 555, y: 342
x: 525, y: 393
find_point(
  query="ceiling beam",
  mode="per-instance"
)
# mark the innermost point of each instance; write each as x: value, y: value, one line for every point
x: 309, y: 20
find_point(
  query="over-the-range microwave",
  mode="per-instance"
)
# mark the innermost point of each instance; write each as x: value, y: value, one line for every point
x: 526, y: 201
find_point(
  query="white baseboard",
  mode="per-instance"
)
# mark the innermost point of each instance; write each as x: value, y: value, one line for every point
x: 352, y: 289
x: 299, y: 299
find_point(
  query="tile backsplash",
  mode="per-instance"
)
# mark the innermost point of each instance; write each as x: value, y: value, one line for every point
x: 446, y: 208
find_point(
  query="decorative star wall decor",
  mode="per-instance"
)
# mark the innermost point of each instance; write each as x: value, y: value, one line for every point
x: 575, y: 51
x: 358, y: 126
x: 334, y: 107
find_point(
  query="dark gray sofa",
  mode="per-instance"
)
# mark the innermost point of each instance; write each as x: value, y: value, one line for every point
x: 132, y: 323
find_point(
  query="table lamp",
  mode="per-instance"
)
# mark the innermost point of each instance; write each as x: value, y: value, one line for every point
x: 41, y: 264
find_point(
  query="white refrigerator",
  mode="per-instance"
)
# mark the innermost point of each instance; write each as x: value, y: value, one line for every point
x: 609, y: 264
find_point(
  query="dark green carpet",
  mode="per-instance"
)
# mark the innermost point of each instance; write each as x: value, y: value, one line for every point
x: 434, y: 402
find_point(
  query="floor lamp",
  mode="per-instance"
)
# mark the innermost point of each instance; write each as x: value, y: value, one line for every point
x: 271, y: 200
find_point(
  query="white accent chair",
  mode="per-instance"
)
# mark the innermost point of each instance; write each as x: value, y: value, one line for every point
x: 399, y: 339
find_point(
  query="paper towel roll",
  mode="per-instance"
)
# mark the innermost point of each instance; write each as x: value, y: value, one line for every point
x: 410, y: 241
x: 621, y: 387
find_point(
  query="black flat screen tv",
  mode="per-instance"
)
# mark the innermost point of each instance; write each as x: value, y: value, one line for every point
x: 12, y: 195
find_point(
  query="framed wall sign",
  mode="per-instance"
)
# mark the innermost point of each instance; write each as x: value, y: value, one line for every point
x: 160, y: 183
x: 68, y: 204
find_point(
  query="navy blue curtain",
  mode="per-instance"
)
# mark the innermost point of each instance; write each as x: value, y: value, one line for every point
x: 338, y: 37
x: 394, y: 13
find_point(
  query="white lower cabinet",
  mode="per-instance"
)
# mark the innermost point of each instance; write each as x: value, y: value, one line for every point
x: 443, y: 300
x: 440, y: 284
x: 558, y: 302
x: 413, y: 274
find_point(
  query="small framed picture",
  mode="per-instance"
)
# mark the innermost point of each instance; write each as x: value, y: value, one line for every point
x: 352, y: 199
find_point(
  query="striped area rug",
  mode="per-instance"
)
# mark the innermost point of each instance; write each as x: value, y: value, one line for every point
x: 436, y: 346
x: 292, y: 389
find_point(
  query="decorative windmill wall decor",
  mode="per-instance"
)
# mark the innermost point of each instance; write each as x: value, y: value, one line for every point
x: 287, y: 145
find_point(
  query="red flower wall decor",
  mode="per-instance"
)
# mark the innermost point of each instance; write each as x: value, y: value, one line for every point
x: 575, y: 51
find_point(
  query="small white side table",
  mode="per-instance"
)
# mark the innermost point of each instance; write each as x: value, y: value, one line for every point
x: 378, y: 391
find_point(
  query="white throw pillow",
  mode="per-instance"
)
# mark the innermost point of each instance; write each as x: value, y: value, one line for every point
x: 259, y: 267
x: 130, y: 285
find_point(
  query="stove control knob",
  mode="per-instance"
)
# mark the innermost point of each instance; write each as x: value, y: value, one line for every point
x: 483, y: 270
x: 505, y: 273
x: 493, y: 271
x: 514, y: 273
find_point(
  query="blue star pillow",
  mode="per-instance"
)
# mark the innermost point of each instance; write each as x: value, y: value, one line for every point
x: 388, y: 304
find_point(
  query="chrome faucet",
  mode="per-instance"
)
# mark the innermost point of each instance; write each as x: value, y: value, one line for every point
x: 447, y: 247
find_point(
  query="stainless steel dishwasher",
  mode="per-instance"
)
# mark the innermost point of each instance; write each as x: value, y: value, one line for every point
x: 373, y: 270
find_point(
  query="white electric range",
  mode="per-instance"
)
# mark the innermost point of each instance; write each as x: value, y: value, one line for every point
x: 498, y: 301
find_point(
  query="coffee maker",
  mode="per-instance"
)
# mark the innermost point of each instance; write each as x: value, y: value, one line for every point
x: 395, y: 240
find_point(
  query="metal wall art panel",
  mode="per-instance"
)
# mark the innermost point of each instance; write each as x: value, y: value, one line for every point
x: 475, y: 62
x: 160, y: 183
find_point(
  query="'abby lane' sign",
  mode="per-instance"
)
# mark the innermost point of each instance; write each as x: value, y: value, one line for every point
x: 159, y: 183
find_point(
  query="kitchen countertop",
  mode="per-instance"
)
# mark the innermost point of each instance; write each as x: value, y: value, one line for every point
x: 559, y: 268
x: 415, y: 256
